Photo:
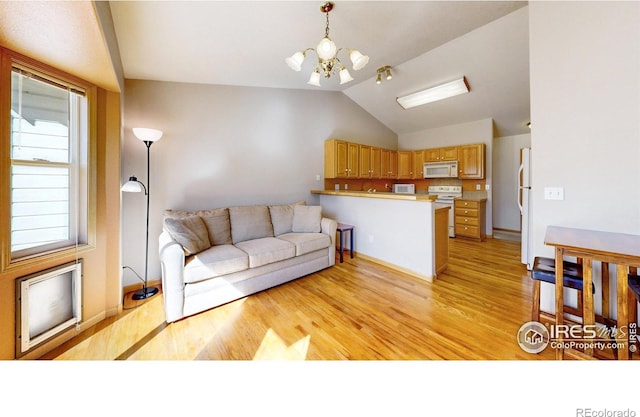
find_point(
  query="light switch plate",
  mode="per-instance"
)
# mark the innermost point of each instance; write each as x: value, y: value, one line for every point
x: 553, y: 193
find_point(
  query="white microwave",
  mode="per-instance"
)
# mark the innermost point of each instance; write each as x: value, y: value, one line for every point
x: 441, y: 169
x: 404, y: 188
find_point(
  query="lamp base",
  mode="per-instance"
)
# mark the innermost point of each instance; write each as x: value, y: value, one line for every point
x: 144, y: 293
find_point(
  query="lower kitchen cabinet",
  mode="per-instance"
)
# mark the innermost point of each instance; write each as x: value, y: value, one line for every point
x: 470, y: 218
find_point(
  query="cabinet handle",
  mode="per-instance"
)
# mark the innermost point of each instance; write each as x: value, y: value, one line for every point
x: 466, y: 204
x: 466, y: 211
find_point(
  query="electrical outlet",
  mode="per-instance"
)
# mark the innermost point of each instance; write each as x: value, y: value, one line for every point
x: 477, y: 187
x: 346, y: 186
x: 317, y: 177
x: 487, y: 187
x: 553, y: 193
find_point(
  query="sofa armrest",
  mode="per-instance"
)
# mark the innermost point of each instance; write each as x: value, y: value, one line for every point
x: 329, y: 227
x: 172, y: 265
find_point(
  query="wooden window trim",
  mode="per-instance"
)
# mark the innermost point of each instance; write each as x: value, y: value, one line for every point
x: 8, y: 60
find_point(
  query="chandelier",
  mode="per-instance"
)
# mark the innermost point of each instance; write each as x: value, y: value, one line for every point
x: 328, y: 60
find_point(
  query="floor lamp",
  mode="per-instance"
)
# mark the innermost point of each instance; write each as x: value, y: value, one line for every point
x: 147, y: 136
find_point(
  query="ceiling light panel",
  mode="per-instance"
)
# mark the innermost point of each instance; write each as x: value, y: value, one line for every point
x: 429, y: 95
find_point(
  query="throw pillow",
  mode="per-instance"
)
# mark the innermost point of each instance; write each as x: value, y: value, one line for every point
x: 218, y: 225
x: 306, y: 219
x: 282, y: 217
x: 250, y: 222
x: 190, y: 232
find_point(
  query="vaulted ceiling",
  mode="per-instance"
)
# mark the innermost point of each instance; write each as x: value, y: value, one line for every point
x: 245, y: 43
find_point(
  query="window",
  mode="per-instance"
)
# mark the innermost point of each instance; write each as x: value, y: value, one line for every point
x: 49, y: 143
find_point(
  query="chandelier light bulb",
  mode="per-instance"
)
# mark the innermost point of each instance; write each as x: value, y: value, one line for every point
x: 295, y: 61
x: 345, y: 77
x: 315, y: 78
x: 326, y: 49
x: 358, y: 60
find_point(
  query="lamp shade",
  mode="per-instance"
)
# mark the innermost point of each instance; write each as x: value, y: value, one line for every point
x: 146, y: 134
x: 358, y: 60
x: 314, y: 79
x: 132, y: 186
x: 326, y: 49
x: 345, y: 77
x: 295, y: 61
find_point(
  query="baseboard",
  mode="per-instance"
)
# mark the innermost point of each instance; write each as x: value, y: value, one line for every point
x: 428, y: 278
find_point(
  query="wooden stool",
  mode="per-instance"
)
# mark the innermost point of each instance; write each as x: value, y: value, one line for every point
x: 544, y: 269
x: 342, y: 228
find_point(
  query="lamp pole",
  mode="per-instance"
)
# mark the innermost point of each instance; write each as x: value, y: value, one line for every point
x: 146, y: 292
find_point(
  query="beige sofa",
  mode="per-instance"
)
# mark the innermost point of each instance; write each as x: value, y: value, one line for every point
x: 212, y: 257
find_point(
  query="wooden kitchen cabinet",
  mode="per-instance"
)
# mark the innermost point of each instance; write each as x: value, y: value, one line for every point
x: 418, y: 165
x: 340, y: 159
x: 470, y: 218
x: 392, y: 171
x: 441, y: 231
x: 405, y: 165
x: 449, y: 153
x: 471, y: 161
x: 376, y: 162
x: 369, y: 162
x: 364, y: 161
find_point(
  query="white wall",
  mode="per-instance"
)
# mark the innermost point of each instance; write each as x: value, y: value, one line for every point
x: 585, y: 114
x: 226, y: 145
x: 479, y: 131
x: 506, y: 162
x: 407, y: 240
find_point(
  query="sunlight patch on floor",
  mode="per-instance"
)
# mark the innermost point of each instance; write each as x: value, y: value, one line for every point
x: 273, y: 347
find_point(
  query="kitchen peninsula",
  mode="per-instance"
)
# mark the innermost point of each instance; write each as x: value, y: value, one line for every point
x: 406, y: 232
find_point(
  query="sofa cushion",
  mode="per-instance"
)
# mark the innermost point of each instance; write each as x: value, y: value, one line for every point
x: 218, y: 225
x: 250, y: 222
x: 307, y: 242
x: 306, y: 219
x: 282, y: 217
x: 190, y: 232
x: 215, y: 261
x: 216, y: 220
x: 267, y: 250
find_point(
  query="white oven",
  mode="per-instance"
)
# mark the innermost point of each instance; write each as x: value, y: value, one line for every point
x: 445, y: 194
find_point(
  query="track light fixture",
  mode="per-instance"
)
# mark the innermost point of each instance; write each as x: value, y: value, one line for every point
x: 327, y: 52
x: 386, y: 71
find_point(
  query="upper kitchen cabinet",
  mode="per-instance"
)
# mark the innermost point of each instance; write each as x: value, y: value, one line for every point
x: 364, y: 161
x: 369, y: 161
x: 341, y: 159
x: 418, y: 165
x: 388, y: 164
x: 441, y: 154
x: 405, y: 165
x: 471, y: 161
x: 376, y: 162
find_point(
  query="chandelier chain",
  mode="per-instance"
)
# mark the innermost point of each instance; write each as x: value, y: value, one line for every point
x: 326, y: 29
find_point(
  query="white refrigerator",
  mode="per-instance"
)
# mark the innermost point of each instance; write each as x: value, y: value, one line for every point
x: 524, y: 202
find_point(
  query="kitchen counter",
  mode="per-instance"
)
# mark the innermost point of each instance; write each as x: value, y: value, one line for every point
x: 396, y: 230
x: 384, y: 195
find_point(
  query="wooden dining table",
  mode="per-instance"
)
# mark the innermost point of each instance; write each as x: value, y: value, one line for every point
x: 620, y: 249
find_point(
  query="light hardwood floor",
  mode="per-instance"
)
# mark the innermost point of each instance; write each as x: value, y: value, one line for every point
x: 354, y: 310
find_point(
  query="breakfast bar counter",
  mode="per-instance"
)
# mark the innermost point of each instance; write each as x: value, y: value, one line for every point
x: 397, y: 230
x: 377, y: 194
